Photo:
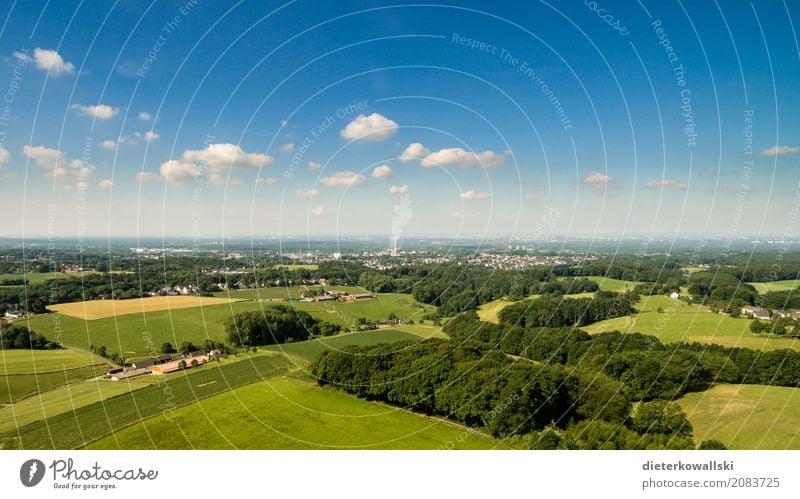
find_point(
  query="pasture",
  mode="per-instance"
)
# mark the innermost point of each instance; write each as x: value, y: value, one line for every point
x: 308, y: 350
x: 379, y: 308
x: 37, y: 361
x: 280, y: 292
x: 765, y: 287
x: 292, y: 413
x: 608, y: 284
x: 747, y: 417
x: 35, y: 277
x: 103, y: 309
x: 681, y: 321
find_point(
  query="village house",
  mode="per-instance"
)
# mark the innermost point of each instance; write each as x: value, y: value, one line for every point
x: 359, y: 296
x: 755, y: 312
x: 13, y: 314
x: 175, y: 365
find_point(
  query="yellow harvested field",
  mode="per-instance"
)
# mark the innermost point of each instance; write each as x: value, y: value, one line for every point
x: 102, y: 309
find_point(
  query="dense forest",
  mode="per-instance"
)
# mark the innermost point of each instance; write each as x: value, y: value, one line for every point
x: 533, y: 405
x: 278, y: 324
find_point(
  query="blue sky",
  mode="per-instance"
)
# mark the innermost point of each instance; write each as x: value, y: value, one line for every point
x: 619, y: 117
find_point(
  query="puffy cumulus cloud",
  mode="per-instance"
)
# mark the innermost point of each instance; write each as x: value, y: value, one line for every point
x: 666, y: 184
x: 473, y: 195
x: 372, y: 127
x: 216, y: 160
x: 398, y: 190
x: 150, y: 136
x: 287, y: 147
x: 105, y: 184
x: 414, y: 151
x: 314, y: 166
x: 318, y: 211
x: 780, y: 151
x: 56, y: 164
x: 48, y: 60
x: 342, y: 179
x: 100, y: 111
x: 383, y: 171
x: 145, y: 116
x: 307, y: 193
x: 266, y: 181
x: 147, y: 177
x: 108, y: 144
x: 456, y: 156
x: 5, y: 156
x: 597, y: 180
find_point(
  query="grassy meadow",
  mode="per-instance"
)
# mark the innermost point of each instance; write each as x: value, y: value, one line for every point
x: 746, y: 417
x: 103, y: 309
x: 291, y: 413
x: 765, y: 287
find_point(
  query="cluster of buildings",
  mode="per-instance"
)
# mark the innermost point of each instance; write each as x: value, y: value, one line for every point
x: 334, y: 295
x: 764, y: 313
x: 162, y: 364
x: 178, y: 290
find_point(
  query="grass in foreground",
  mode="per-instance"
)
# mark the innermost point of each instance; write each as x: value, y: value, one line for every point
x: 746, y: 416
x: 292, y: 413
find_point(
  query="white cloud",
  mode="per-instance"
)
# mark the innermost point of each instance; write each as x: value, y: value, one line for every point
x: 665, y: 184
x: 398, y: 190
x: 48, y: 60
x: 56, y: 164
x: 5, y: 156
x: 100, y: 111
x: 105, y: 184
x: 473, y: 195
x: 342, y: 179
x: 151, y: 136
x: 307, y: 193
x: 216, y: 161
x: 456, y: 156
x: 414, y: 151
x: 780, y: 151
x: 266, y: 181
x: 372, y: 127
x: 597, y: 180
x: 108, y: 144
x: 318, y: 211
x: 287, y: 147
x: 314, y: 166
x: 147, y: 176
x: 383, y: 171
x: 145, y: 116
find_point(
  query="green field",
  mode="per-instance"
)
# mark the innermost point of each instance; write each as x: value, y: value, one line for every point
x: 608, y: 284
x: 681, y: 321
x: 307, y: 350
x: 141, y: 335
x: 291, y: 413
x: 765, y: 287
x: 35, y: 277
x: 296, y: 266
x: 37, y: 361
x: 746, y: 416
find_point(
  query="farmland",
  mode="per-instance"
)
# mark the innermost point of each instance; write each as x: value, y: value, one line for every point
x: 490, y: 312
x: 681, y: 321
x: 765, y: 287
x: 103, y: 309
x: 37, y: 361
x: 746, y: 416
x: 291, y: 413
x: 307, y: 350
x: 280, y: 292
x: 608, y: 284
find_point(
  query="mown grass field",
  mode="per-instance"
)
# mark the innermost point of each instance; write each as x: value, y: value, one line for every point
x: 308, y: 350
x: 681, y: 321
x: 608, y: 284
x: 37, y: 361
x: 746, y: 417
x: 103, y: 309
x: 379, y: 308
x: 34, y: 277
x: 291, y: 413
x: 765, y: 287
x: 17, y: 386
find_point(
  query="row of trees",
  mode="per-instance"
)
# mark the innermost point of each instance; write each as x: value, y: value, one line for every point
x: 485, y: 389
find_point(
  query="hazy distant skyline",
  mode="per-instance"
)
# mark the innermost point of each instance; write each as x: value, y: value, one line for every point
x: 198, y: 119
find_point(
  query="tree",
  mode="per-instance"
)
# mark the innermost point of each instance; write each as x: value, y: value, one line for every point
x: 756, y: 327
x: 186, y: 348
x: 182, y: 364
x: 663, y: 417
x: 712, y: 445
x: 195, y: 363
x: 168, y: 348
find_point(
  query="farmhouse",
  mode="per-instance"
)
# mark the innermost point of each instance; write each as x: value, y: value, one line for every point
x: 152, y: 361
x: 13, y: 314
x: 359, y: 296
x: 324, y: 298
x: 675, y: 295
x: 175, y: 365
x: 755, y: 312
x: 792, y: 314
